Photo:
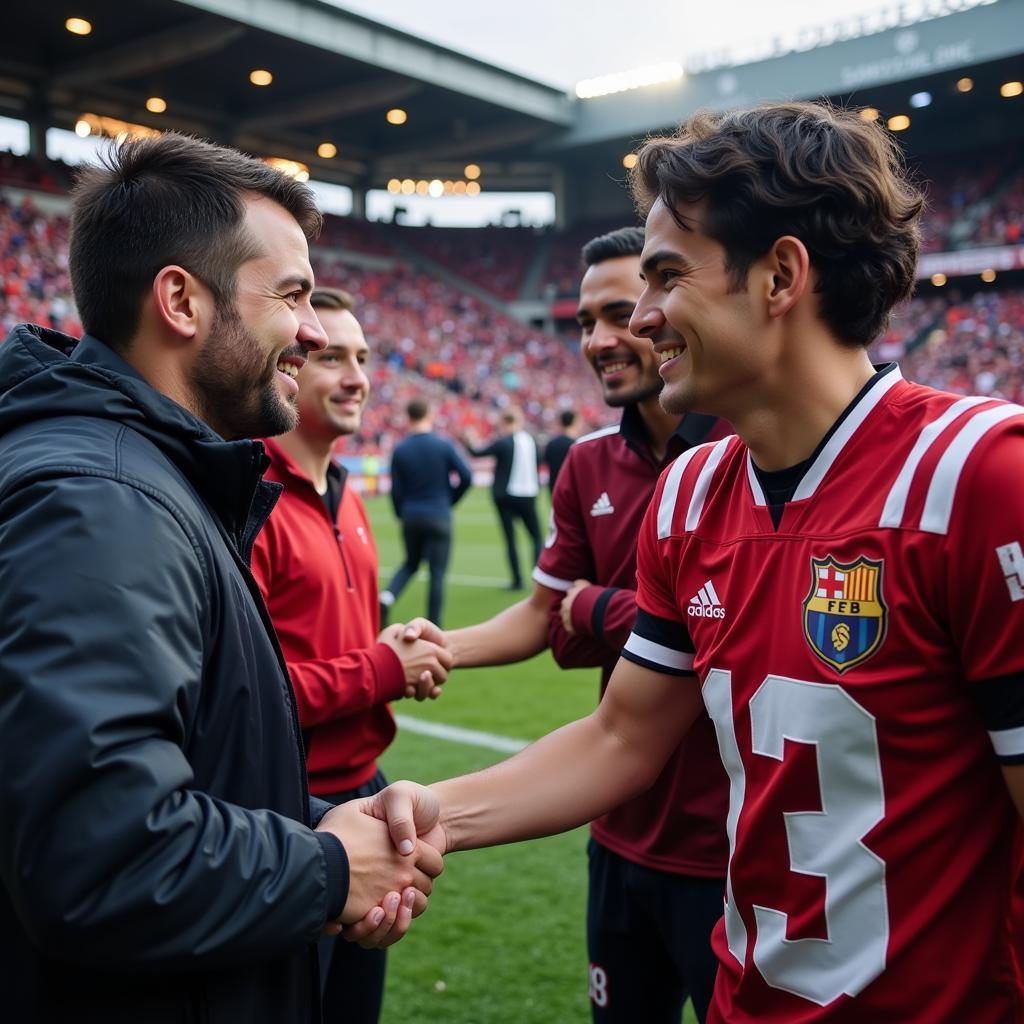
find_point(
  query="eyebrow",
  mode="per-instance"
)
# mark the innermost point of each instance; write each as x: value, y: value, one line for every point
x: 294, y: 280
x: 609, y: 307
x: 662, y: 256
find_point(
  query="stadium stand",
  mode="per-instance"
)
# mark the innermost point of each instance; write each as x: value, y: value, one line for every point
x: 33, y: 258
x: 495, y: 258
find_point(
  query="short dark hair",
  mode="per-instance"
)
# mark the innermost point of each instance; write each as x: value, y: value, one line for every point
x: 615, y: 244
x: 161, y: 200
x: 822, y: 174
x: 417, y: 410
x: 567, y: 417
x: 331, y: 298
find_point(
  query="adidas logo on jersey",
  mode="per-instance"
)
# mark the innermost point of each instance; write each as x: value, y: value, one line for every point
x: 603, y: 506
x: 705, y: 604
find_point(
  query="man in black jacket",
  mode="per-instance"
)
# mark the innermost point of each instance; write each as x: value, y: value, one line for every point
x: 158, y: 858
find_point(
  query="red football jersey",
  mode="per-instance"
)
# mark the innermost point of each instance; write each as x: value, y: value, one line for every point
x: 864, y: 669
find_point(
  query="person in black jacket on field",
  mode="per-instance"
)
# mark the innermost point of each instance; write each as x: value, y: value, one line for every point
x: 515, y: 486
x: 422, y: 492
x: 558, y: 447
x: 158, y: 858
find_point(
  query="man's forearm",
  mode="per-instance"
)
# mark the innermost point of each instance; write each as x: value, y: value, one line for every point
x: 565, y: 779
x: 515, y: 634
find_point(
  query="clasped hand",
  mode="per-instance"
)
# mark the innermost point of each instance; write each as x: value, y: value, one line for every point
x: 395, y: 845
x: 421, y: 648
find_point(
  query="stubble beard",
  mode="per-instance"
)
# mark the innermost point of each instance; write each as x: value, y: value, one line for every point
x: 635, y: 396
x: 222, y: 383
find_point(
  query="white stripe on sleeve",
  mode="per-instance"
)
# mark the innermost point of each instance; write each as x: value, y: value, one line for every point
x: 547, y: 580
x: 1008, y: 742
x: 659, y: 654
x: 938, y: 506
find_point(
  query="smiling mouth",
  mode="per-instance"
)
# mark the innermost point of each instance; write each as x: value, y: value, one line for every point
x: 671, y: 353
x: 288, y: 368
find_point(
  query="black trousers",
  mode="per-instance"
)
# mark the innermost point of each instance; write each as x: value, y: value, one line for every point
x: 352, y: 978
x: 649, y: 940
x: 509, y: 510
x: 429, y: 539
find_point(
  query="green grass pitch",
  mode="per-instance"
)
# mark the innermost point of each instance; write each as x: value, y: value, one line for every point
x: 503, y: 941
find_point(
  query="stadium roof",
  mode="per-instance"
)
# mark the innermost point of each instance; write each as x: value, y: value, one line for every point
x: 335, y: 75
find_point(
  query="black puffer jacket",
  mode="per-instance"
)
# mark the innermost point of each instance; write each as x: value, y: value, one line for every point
x: 155, y: 855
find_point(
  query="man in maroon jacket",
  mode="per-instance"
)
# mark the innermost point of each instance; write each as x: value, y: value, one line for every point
x: 316, y: 564
x: 657, y: 863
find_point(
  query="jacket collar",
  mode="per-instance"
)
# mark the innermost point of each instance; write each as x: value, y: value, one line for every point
x: 284, y: 468
x: 47, y: 374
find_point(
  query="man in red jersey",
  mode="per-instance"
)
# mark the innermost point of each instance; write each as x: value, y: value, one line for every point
x: 841, y: 586
x: 316, y: 564
x: 656, y: 864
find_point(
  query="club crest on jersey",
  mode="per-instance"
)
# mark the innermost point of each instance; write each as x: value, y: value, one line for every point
x: 845, y: 617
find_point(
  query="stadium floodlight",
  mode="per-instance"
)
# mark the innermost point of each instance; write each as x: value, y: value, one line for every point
x: 938, y: 280
x: 396, y: 115
x: 964, y: 84
x: 921, y: 99
x: 156, y: 104
x: 78, y: 26
x: 292, y: 168
x: 110, y: 128
x: 988, y: 276
x: 473, y: 188
x: 394, y: 186
x: 260, y: 76
x: 624, y: 81
x: 436, y: 188
x: 327, y: 151
x: 408, y: 186
x: 869, y: 113
x: 422, y: 187
x: 471, y: 171
x: 459, y: 188
x: 898, y: 123
x: 629, y: 161
x: 1010, y: 89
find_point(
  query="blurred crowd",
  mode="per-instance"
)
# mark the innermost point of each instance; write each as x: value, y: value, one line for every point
x: 433, y: 339
x: 428, y: 338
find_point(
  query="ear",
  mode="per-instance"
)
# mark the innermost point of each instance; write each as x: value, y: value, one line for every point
x: 181, y: 303
x: 789, y: 272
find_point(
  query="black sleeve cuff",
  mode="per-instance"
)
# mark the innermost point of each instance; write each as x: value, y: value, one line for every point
x: 336, y: 860
x: 600, y: 607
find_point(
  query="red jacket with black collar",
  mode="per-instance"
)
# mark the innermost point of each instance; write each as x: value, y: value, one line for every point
x: 319, y: 580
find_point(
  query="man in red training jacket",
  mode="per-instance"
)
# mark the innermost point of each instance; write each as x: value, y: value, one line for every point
x: 316, y: 563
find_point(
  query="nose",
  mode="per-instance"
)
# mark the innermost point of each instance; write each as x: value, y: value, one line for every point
x: 647, y: 318
x: 311, y: 334
x: 601, y: 338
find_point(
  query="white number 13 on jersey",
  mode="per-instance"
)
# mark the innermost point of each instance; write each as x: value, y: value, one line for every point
x: 826, y: 843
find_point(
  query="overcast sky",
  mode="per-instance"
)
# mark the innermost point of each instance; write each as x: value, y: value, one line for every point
x: 562, y: 42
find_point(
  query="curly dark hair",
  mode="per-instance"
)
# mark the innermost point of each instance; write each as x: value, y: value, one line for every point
x: 824, y: 175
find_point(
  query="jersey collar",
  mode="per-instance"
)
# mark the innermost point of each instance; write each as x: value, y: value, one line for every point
x: 692, y: 430
x: 835, y: 440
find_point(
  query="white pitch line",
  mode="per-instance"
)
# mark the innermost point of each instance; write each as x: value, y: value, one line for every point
x: 471, y: 737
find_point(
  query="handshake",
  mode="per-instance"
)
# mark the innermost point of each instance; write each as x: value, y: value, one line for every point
x: 422, y: 649
x: 395, y: 843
